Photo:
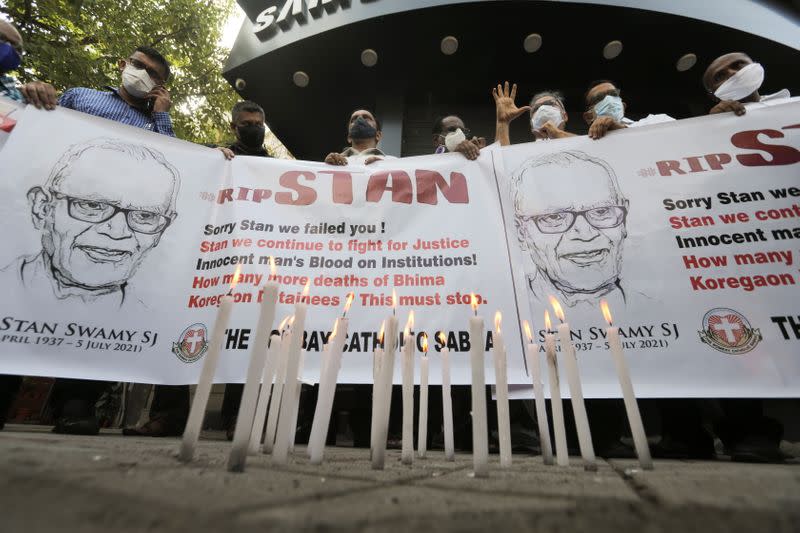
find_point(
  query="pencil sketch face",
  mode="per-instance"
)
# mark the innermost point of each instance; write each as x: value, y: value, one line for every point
x: 103, y: 213
x: 574, y: 230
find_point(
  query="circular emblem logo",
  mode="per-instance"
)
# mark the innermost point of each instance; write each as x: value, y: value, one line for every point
x: 729, y: 331
x: 192, y: 344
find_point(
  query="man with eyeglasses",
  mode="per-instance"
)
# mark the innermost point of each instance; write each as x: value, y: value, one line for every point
x: 445, y: 135
x: 572, y: 234
x: 96, y: 229
x: 141, y: 101
x: 605, y: 110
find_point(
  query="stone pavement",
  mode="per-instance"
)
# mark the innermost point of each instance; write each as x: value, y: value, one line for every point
x: 121, y: 484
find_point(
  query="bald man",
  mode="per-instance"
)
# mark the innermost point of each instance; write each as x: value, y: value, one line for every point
x: 734, y: 81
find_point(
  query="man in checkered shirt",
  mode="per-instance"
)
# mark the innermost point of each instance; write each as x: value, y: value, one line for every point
x: 141, y: 100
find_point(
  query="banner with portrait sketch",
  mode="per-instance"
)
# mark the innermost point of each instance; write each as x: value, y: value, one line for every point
x: 118, y: 244
x: 690, y: 230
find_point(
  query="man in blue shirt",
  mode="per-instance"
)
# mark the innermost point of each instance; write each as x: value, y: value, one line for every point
x: 141, y: 101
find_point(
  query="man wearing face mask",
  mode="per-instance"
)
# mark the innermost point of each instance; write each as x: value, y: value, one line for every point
x: 734, y: 80
x: 363, y: 135
x: 451, y: 135
x: 141, y: 101
x: 547, y: 114
x: 247, y: 124
x: 605, y: 110
x: 38, y: 93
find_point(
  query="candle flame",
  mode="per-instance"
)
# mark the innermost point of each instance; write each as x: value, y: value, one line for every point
x: 283, y: 322
x: 235, y: 279
x: 291, y: 321
x: 527, y: 328
x: 306, y: 290
x: 394, y: 301
x: 425, y: 343
x: 380, y: 335
x: 273, y: 270
x: 547, y: 324
x: 350, y: 298
x: 441, y: 338
x: 498, y: 318
x: 606, y: 311
x: 473, y: 301
x: 409, y: 323
x: 557, y: 308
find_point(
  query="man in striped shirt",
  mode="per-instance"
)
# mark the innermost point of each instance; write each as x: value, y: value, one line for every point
x: 141, y: 101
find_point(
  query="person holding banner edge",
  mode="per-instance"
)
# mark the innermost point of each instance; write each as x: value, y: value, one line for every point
x: 363, y: 135
x: 733, y: 81
x: 142, y: 101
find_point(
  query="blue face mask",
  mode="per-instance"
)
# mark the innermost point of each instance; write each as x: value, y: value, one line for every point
x: 9, y: 57
x: 610, y: 106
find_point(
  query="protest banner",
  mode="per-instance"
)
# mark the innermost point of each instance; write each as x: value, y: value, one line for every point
x: 690, y: 230
x: 119, y: 244
x: 124, y: 241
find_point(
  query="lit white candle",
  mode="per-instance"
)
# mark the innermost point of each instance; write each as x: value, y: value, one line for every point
x: 260, y: 417
x: 575, y: 390
x: 501, y: 389
x: 480, y: 434
x: 559, y: 431
x: 255, y: 368
x: 194, y: 423
x: 447, y: 402
x: 422, y: 428
x: 538, y: 393
x: 384, y: 400
x: 631, y: 407
x: 409, y: 349
x: 285, y: 433
x: 277, y: 389
x: 327, y: 386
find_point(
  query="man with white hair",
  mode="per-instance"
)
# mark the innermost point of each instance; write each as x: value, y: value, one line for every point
x: 572, y: 233
x: 97, y: 226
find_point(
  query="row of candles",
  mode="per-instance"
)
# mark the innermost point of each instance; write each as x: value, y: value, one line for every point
x: 279, y: 357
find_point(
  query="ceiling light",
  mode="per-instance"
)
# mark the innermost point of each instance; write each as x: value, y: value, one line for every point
x: 532, y: 43
x: 449, y: 45
x: 612, y: 49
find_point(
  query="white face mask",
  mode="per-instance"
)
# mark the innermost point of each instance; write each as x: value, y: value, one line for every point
x: 453, y: 139
x: 137, y: 81
x: 742, y: 84
x: 545, y: 114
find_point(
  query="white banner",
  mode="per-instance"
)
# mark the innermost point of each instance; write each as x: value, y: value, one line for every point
x: 133, y: 297
x: 690, y: 230
x: 120, y: 242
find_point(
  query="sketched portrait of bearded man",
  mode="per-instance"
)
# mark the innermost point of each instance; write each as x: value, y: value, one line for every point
x: 105, y: 205
x: 570, y: 217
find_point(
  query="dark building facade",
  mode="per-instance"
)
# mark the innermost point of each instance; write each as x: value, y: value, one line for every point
x: 310, y: 63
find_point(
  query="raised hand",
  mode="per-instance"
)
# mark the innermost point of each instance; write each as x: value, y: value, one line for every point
x: 505, y: 106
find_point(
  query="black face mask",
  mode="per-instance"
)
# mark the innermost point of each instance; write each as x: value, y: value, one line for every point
x: 252, y: 136
x: 361, y: 129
